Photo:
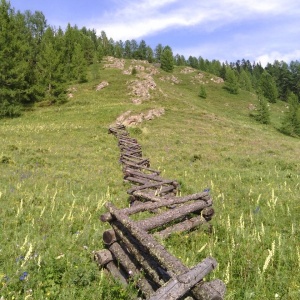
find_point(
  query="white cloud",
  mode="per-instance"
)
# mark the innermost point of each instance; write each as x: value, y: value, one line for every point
x: 271, y: 57
x: 262, y: 39
x: 135, y: 18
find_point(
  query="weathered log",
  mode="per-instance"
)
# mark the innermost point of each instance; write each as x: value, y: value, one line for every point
x: 181, y: 284
x: 124, y: 155
x: 146, y: 195
x: 132, y: 173
x: 208, y: 213
x: 130, y: 148
x: 141, y: 167
x: 106, y: 217
x: 170, y: 215
x: 151, y: 185
x: 141, y: 254
x: 165, y: 202
x: 212, y: 290
x: 132, y: 269
x: 186, y: 225
x: 137, y: 153
x: 154, y: 248
x: 137, y: 160
x: 109, y: 237
x: 105, y: 259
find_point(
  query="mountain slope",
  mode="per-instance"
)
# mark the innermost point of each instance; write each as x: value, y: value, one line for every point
x: 59, y: 167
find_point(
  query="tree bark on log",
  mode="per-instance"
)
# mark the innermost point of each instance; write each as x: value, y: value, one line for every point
x: 145, y: 195
x: 141, y: 254
x: 171, y: 215
x: 164, y: 202
x: 152, y: 185
x: 132, y: 269
x: 182, y: 283
x: 104, y: 259
x: 154, y: 248
x: 186, y: 225
x: 142, y: 167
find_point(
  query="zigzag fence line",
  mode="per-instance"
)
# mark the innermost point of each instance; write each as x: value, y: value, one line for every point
x: 133, y: 252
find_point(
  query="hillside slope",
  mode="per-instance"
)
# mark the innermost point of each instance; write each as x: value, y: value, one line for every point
x: 59, y: 167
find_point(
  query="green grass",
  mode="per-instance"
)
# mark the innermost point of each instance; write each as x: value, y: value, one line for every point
x: 59, y: 167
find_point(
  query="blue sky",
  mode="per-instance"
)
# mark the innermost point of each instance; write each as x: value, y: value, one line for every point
x: 226, y: 30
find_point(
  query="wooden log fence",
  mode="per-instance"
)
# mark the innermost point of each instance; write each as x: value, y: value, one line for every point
x: 133, y: 252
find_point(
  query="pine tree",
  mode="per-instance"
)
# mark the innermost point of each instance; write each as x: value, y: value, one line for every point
x: 167, y: 60
x: 291, y: 121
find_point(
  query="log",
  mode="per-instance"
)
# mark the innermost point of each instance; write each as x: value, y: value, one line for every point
x: 170, y: 215
x: 139, y: 251
x: 137, y: 160
x: 150, y: 206
x: 137, y: 153
x: 151, y: 185
x: 109, y: 237
x: 132, y: 269
x: 212, y: 290
x: 104, y: 259
x: 132, y: 173
x: 181, y: 284
x: 186, y: 225
x: 142, y: 167
x: 199, y: 196
x: 155, y: 249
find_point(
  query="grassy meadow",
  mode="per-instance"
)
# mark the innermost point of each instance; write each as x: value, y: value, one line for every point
x: 59, y: 167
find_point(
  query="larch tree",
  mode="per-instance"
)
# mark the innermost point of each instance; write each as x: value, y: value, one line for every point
x: 291, y: 121
x: 167, y: 60
x: 15, y: 61
x: 231, y: 81
x: 268, y: 87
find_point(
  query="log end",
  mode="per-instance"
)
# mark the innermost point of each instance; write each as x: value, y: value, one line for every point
x: 103, y: 257
x: 107, y: 217
x: 208, y: 213
x: 109, y: 237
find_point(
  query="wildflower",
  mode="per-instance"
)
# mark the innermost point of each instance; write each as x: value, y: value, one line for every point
x: 207, y: 190
x: 257, y: 209
x: 23, y: 276
x: 20, y: 258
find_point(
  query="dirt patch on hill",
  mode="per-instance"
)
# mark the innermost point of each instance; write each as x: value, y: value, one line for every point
x: 217, y: 80
x: 171, y: 78
x: 128, y: 119
x: 187, y: 70
x: 102, y: 85
x: 112, y: 62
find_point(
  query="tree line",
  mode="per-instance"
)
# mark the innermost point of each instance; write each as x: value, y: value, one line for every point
x: 38, y: 62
